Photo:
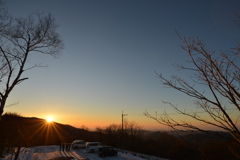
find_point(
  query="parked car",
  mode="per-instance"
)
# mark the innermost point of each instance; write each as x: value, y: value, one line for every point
x: 93, y: 146
x: 78, y: 144
x: 107, y: 151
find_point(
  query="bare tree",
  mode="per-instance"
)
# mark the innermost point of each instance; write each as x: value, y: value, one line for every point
x: 20, y: 38
x: 133, y: 134
x: 219, y: 74
x: 133, y: 129
x: 115, y: 136
x: 113, y: 133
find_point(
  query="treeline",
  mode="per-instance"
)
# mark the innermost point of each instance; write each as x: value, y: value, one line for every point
x: 196, y: 146
x: 18, y: 131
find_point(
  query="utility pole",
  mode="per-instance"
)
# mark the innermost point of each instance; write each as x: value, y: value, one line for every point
x: 122, y: 127
x: 122, y: 120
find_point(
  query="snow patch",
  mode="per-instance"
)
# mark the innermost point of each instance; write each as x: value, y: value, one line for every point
x: 54, y: 153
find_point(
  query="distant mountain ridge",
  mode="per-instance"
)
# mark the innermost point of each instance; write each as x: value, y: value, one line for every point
x: 36, y: 131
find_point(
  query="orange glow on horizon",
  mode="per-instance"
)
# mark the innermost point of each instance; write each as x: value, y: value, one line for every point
x: 94, y: 121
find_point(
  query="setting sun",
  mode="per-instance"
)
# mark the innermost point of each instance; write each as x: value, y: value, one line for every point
x: 49, y: 119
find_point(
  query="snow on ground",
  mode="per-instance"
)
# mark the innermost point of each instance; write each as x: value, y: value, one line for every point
x: 54, y: 153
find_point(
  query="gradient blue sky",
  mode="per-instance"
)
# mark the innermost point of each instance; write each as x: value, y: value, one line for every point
x: 112, y: 49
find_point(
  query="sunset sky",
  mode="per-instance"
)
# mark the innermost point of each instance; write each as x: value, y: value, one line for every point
x: 112, y: 50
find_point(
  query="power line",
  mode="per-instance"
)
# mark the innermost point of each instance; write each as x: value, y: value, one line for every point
x: 198, y: 112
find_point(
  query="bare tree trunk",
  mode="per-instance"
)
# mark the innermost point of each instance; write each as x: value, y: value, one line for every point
x: 3, y: 102
x: 17, y: 153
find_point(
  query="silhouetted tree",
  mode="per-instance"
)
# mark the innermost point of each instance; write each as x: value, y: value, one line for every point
x: 11, y: 133
x: 113, y: 133
x: 219, y: 74
x: 133, y: 133
x: 20, y: 38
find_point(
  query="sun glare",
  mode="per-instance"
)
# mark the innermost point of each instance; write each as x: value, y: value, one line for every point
x: 49, y: 119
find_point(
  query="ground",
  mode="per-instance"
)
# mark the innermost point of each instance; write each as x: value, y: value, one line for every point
x: 54, y: 153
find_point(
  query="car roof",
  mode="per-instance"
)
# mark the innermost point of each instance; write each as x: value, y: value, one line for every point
x: 105, y: 147
x: 79, y: 141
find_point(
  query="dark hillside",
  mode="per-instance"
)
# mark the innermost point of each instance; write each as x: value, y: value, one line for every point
x: 35, y: 131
